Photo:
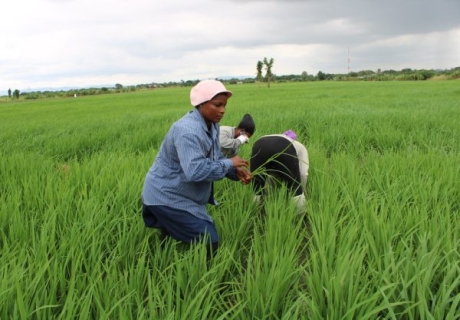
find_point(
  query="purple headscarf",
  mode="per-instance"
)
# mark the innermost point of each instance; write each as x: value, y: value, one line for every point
x: 291, y: 134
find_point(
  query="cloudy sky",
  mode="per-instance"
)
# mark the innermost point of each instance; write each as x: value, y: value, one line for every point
x: 84, y: 43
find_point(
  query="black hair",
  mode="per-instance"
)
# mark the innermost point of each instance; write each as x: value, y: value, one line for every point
x: 247, y: 124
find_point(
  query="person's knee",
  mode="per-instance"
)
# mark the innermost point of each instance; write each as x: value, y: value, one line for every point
x: 148, y: 216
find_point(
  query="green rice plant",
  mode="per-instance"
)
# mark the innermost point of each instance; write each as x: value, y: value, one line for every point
x: 380, y: 239
x: 271, y: 276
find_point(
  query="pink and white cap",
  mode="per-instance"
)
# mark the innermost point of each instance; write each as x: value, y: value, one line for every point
x: 291, y: 134
x: 205, y: 90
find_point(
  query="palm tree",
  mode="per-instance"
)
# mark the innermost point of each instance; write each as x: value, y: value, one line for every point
x: 260, y: 65
x: 268, y: 68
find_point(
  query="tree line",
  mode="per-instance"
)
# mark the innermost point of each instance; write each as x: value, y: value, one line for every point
x: 269, y: 77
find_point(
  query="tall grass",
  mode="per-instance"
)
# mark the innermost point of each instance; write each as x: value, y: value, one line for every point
x: 380, y: 239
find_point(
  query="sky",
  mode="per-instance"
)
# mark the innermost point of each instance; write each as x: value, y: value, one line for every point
x: 95, y: 43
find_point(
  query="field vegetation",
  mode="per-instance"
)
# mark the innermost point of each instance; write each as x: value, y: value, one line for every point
x: 380, y: 240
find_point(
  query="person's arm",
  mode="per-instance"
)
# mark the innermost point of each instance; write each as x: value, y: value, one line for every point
x: 196, y: 165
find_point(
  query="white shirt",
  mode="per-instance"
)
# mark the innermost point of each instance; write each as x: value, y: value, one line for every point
x: 228, y: 144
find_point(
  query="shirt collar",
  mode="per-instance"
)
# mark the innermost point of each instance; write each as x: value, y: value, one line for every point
x: 197, y: 115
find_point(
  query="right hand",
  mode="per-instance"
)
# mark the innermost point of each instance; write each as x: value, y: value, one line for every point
x: 239, y: 162
x: 243, y: 175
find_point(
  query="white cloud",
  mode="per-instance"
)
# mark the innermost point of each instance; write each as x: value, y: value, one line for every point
x: 90, y: 43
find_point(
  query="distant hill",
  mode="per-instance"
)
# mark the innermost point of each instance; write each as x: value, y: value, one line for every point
x: 55, y: 89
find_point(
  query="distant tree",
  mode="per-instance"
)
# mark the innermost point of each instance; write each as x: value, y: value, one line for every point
x: 365, y: 73
x: 351, y: 74
x: 118, y: 86
x: 9, y: 93
x: 16, y: 93
x: 425, y: 74
x: 259, y: 67
x: 304, y: 75
x: 321, y: 76
x: 268, y: 69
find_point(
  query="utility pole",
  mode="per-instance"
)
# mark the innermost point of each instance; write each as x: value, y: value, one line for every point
x: 348, y: 60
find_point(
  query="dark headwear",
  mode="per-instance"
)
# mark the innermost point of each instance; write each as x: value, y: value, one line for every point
x: 247, y: 123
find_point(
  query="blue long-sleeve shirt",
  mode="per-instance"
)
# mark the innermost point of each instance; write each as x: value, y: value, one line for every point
x: 188, y: 162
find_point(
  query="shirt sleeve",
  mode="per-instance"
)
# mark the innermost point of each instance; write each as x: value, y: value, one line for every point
x: 227, y: 140
x: 196, y: 164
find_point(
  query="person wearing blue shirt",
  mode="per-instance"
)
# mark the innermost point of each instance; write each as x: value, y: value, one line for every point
x: 179, y: 183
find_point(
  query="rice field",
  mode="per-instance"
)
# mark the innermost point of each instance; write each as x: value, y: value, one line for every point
x: 380, y: 240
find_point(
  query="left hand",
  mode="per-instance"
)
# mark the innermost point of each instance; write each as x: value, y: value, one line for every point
x: 243, y: 175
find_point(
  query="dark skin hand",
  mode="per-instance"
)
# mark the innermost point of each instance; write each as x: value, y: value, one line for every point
x: 239, y: 162
x: 242, y: 172
x: 243, y: 175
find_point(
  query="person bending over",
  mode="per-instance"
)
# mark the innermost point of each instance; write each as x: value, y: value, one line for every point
x: 232, y: 138
x: 283, y: 159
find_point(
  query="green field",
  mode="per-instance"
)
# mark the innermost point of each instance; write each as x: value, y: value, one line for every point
x: 381, y: 238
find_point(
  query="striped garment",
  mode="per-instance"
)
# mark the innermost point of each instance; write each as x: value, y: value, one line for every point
x: 188, y: 162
